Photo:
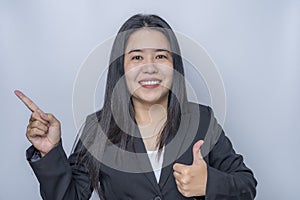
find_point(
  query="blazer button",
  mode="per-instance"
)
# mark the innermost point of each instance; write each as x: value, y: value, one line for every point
x: 157, y: 198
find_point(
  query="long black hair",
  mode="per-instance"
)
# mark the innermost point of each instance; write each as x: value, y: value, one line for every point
x: 117, y: 101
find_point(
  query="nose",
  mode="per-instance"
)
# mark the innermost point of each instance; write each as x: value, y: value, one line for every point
x: 150, y: 66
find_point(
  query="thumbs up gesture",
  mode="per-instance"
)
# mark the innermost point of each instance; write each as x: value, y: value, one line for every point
x: 43, y: 130
x: 191, y: 179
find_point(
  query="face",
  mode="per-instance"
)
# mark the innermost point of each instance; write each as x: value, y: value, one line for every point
x: 148, y: 66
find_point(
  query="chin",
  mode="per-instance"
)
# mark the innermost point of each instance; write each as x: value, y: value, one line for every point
x: 153, y: 99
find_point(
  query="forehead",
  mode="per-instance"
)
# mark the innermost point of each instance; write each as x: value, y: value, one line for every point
x: 147, y: 38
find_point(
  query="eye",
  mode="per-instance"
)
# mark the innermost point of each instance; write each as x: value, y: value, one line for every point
x: 161, y: 57
x: 136, y: 58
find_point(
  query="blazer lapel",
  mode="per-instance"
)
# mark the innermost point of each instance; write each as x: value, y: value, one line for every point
x: 137, y: 145
x: 177, y: 145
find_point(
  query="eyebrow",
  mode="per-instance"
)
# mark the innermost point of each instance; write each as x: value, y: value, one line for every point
x: 141, y: 50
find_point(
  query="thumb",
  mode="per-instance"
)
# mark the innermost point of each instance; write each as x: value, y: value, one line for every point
x: 196, y: 152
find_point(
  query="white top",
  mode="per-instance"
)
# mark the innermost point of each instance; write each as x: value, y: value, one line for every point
x: 156, y: 162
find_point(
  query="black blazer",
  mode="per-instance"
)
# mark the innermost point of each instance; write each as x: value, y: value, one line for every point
x: 228, y: 177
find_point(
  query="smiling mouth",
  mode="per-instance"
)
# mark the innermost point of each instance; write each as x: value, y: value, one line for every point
x: 150, y: 83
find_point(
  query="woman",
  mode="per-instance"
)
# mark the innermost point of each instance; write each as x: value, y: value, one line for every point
x: 145, y: 142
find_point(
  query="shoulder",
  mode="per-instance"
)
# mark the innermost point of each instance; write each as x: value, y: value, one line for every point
x: 209, y: 129
x: 94, y: 117
x: 204, y: 116
x: 91, y: 125
x: 203, y: 110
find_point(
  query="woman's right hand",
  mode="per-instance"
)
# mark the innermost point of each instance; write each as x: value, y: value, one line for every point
x: 43, y: 130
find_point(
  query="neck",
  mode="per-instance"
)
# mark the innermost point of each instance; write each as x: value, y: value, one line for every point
x: 151, y: 120
x: 147, y: 114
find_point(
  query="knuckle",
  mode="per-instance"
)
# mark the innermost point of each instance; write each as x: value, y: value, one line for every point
x: 27, y: 131
x: 183, y: 181
x: 51, y: 116
x: 186, y: 181
x: 179, y: 188
x: 182, y: 186
x: 36, y: 124
x: 184, y: 193
x: 29, y: 134
x: 185, y: 171
x: 33, y: 123
x: 34, y: 115
x: 178, y: 184
x: 175, y: 174
x: 188, y: 194
x: 36, y: 131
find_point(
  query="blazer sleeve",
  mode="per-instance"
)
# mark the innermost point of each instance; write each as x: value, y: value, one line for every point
x: 59, y: 177
x: 228, y: 176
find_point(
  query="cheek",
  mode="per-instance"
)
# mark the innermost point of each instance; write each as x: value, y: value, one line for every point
x: 169, y: 76
x: 131, y: 68
x: 128, y: 70
x: 131, y: 77
x: 167, y: 71
x: 127, y: 66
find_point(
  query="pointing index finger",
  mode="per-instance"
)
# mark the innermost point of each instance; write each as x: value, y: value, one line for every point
x: 28, y: 102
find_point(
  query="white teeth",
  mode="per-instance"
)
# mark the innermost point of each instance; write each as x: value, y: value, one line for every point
x: 150, y: 82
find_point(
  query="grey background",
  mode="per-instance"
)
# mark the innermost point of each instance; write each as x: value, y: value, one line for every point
x: 255, y: 45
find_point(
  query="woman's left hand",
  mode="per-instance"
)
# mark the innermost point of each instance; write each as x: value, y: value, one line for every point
x: 191, y: 179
